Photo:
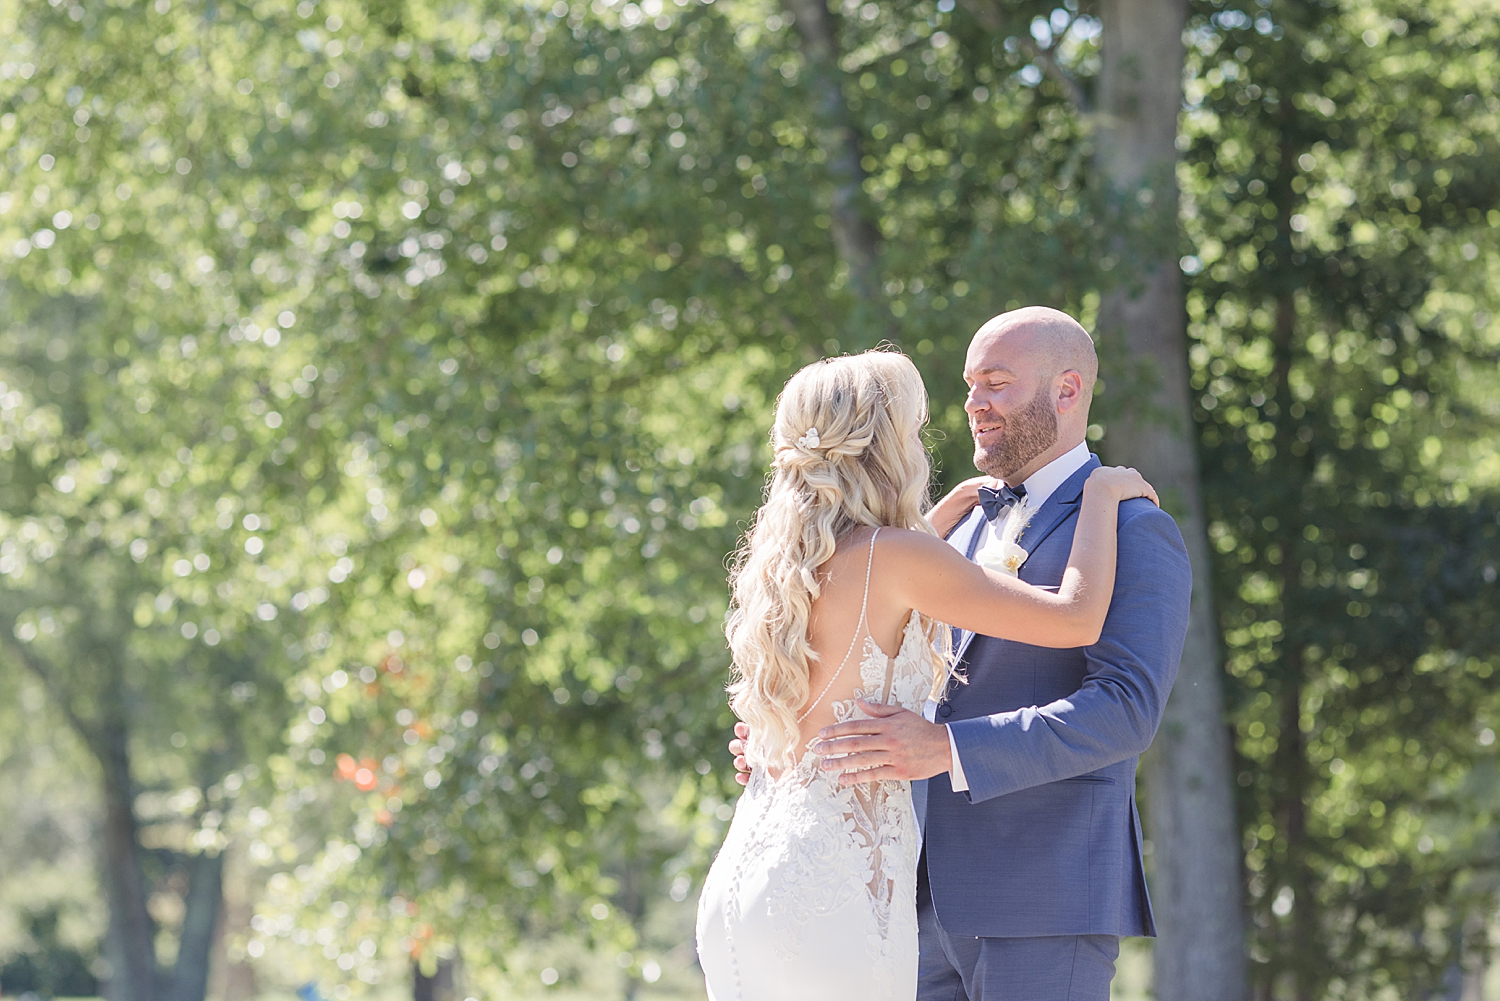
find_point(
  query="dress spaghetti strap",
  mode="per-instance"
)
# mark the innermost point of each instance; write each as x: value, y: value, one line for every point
x: 858, y: 628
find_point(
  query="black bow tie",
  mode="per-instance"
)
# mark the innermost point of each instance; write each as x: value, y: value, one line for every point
x: 997, y: 500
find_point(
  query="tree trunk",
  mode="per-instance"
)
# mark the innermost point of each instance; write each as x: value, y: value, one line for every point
x: 1193, y: 827
x: 1290, y: 812
x: 855, y: 235
x: 131, y: 944
x: 130, y: 941
x: 230, y: 980
x: 199, y: 923
x: 438, y: 987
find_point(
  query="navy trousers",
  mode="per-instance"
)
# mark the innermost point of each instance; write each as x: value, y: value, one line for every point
x: 1050, y: 968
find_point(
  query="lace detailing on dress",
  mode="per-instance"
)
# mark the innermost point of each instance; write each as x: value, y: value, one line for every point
x: 813, y: 894
x: 877, y: 816
x: 890, y: 680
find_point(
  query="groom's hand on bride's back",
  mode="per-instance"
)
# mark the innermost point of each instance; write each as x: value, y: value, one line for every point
x: 893, y: 744
x: 737, y: 748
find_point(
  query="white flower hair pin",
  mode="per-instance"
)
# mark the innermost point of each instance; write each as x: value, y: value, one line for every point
x: 810, y: 440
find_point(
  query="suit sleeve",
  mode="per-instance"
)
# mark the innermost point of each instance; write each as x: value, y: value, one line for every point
x: 1114, y: 715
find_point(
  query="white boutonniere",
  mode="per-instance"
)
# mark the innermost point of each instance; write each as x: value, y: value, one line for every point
x: 1003, y: 552
x: 1002, y: 556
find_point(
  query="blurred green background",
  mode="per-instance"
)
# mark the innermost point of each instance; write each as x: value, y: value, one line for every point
x: 383, y: 385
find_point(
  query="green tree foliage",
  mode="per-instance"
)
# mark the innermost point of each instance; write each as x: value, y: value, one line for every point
x: 588, y: 285
x: 385, y: 385
x: 51, y: 921
x: 1342, y: 181
x: 142, y: 472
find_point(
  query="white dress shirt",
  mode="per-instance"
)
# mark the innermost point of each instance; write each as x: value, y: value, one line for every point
x: 1040, y: 486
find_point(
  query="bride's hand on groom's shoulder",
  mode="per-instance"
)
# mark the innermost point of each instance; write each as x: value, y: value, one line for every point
x: 1123, y: 483
x: 958, y: 502
x: 737, y: 748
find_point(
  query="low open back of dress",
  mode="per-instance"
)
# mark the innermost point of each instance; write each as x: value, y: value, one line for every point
x: 813, y: 893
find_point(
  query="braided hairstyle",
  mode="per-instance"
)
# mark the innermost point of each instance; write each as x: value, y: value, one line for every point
x: 848, y: 453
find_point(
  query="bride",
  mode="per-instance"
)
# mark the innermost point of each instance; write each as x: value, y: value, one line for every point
x: 843, y: 591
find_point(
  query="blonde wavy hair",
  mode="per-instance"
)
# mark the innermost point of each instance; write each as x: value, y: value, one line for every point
x: 848, y: 453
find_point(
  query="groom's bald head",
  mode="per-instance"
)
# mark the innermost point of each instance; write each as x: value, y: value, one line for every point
x: 1031, y: 375
x: 1055, y: 342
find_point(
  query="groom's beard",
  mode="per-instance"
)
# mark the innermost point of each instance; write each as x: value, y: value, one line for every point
x: 1023, y: 437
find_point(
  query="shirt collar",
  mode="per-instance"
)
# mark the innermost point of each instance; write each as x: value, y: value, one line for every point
x: 1043, y: 483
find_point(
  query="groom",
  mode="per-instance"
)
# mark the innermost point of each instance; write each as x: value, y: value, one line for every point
x: 1032, y: 866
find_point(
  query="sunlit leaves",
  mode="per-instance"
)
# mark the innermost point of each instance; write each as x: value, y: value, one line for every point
x: 1319, y: 204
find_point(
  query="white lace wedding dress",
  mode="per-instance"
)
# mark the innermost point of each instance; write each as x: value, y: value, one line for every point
x: 813, y: 894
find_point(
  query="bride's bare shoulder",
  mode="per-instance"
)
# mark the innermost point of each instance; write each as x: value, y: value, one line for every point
x: 905, y: 544
x: 915, y: 563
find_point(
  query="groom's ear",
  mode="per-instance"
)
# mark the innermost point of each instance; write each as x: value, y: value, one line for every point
x: 1069, y: 392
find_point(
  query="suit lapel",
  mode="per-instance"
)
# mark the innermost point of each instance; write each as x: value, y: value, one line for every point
x: 965, y: 538
x: 964, y: 639
x: 1063, y: 502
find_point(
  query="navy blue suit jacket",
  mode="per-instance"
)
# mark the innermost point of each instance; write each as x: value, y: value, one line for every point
x: 1047, y: 839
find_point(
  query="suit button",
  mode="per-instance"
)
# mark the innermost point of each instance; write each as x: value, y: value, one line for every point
x: 945, y: 710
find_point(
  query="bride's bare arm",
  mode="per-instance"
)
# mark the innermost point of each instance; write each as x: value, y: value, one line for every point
x: 933, y: 578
